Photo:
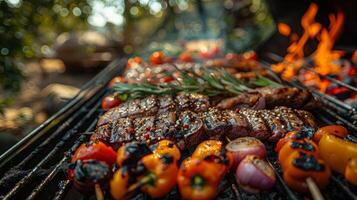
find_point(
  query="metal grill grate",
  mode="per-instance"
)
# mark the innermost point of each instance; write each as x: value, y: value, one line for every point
x: 33, y: 169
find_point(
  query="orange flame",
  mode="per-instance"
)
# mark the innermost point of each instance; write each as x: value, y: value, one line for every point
x: 354, y: 56
x: 293, y: 59
x: 324, y: 56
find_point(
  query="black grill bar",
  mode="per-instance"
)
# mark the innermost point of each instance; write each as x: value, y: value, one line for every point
x: 58, y: 147
x: 62, y: 114
x: 65, y: 159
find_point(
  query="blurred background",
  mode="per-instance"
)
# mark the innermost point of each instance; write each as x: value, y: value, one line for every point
x: 49, y: 48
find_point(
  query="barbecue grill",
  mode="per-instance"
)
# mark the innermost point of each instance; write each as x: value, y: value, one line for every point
x: 35, y: 167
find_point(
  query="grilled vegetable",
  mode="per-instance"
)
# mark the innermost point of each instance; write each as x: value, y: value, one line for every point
x: 119, y: 184
x: 110, y: 101
x: 87, y: 173
x: 185, y: 57
x: 158, y: 57
x: 96, y: 151
x: 305, y: 146
x: 351, y: 170
x: 336, y: 130
x: 198, y: 179
x: 134, y: 61
x: 212, y: 150
x: 166, y: 147
x: 130, y: 153
x: 293, y: 135
x: 244, y: 146
x: 300, y: 166
x: 161, y: 174
x: 254, y: 174
x: 336, y: 152
x: 116, y: 80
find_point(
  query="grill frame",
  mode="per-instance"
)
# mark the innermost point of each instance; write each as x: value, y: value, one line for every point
x: 83, y: 111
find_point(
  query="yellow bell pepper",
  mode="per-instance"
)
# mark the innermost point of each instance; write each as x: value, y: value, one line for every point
x: 336, y: 152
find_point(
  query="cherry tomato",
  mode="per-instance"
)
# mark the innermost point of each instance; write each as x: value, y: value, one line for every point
x: 110, y: 102
x: 166, y: 79
x: 115, y: 80
x: 97, y: 151
x: 250, y: 55
x: 158, y: 57
x: 231, y: 56
x: 336, y: 130
x: 185, y: 57
x: 134, y: 61
x: 209, y: 53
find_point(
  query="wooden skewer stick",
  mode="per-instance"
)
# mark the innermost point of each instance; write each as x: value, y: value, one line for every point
x: 314, y: 190
x: 136, y: 186
x: 98, y: 192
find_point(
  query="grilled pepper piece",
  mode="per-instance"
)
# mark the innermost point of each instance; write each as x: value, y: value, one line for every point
x: 130, y: 153
x: 198, y: 179
x: 351, y: 171
x: 336, y: 152
x: 306, y: 146
x: 160, y: 176
x: 166, y: 147
x: 294, y: 135
x: 211, y: 150
x: 119, y: 184
x: 299, y: 166
x: 336, y: 130
x: 96, y: 151
x: 87, y: 173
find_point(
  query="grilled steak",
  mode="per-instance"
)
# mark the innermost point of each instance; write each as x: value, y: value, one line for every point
x: 282, y: 96
x: 188, y: 119
x: 255, y: 119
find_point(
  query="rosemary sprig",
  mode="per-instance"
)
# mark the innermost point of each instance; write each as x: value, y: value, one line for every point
x: 210, y: 82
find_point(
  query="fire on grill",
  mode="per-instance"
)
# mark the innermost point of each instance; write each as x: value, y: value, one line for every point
x: 329, y: 71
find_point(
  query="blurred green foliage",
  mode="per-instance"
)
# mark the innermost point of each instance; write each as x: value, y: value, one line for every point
x: 26, y: 25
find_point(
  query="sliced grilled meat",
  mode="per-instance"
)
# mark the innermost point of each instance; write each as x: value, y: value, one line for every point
x: 275, y: 124
x: 165, y: 125
x: 194, y: 102
x: 166, y: 103
x: 290, y: 118
x: 248, y: 99
x: 282, y: 96
x: 216, y: 123
x: 149, y: 105
x: 256, y: 121
x: 144, y: 129
x: 114, y: 114
x: 307, y: 118
x: 240, y: 125
x: 286, y: 96
x: 190, y: 128
x: 116, y: 133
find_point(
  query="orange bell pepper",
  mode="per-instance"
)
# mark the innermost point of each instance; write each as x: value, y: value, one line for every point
x: 211, y: 149
x: 131, y: 153
x: 351, y: 171
x: 336, y: 130
x: 293, y: 135
x: 198, y: 179
x: 306, y: 146
x: 119, y: 184
x: 166, y: 147
x: 336, y: 152
x: 161, y: 174
x: 299, y: 166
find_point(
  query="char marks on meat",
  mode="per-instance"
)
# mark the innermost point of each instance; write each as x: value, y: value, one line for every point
x: 281, y: 96
x: 188, y: 119
x: 258, y: 126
